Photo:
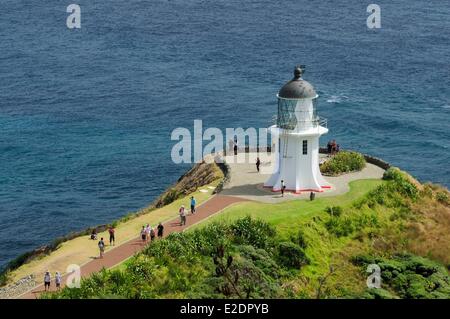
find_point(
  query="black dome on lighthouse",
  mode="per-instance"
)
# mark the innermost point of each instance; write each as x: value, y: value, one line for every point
x: 297, y: 88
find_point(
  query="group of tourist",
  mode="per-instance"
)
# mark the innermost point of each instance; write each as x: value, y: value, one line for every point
x: 101, y: 243
x: 332, y: 147
x: 148, y: 233
x: 101, y: 246
x: 48, y: 280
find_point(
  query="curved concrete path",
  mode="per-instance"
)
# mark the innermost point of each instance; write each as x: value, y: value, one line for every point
x: 122, y: 252
x: 245, y: 182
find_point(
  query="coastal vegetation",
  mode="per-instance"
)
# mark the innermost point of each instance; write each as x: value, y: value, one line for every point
x: 343, y: 162
x: 299, y: 249
x: 76, y: 245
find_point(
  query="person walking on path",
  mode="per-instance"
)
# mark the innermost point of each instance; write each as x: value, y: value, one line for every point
x: 258, y: 163
x: 112, y: 238
x: 193, y: 203
x: 182, y: 215
x: 152, y: 234
x: 47, y: 280
x: 160, y: 230
x: 101, y: 247
x: 58, y: 280
x: 283, y: 187
x: 143, y: 234
x: 147, y: 232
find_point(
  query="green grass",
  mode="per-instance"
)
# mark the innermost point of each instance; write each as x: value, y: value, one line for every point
x: 287, y: 216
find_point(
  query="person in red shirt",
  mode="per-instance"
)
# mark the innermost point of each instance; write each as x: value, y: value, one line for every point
x: 112, y: 237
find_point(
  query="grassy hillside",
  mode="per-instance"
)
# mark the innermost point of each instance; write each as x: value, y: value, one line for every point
x: 299, y: 249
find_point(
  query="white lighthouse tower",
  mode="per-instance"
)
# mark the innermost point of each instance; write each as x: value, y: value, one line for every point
x: 295, y: 139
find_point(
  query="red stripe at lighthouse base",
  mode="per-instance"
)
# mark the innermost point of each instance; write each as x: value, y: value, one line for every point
x: 300, y: 190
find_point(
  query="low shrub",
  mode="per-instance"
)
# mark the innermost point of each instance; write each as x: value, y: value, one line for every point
x: 255, y: 232
x: 442, y: 197
x: 393, y: 194
x: 248, y: 273
x: 340, y: 226
x: 401, y: 181
x: 343, y: 162
x: 335, y: 211
x: 392, y: 173
x: 262, y: 259
x: 407, y: 188
x: 300, y: 239
x: 291, y: 255
x: 347, y: 224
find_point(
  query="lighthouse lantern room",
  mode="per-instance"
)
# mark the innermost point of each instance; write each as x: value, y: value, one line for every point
x: 295, y: 138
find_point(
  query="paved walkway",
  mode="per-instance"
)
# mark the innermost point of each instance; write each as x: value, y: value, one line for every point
x: 245, y: 182
x: 122, y: 252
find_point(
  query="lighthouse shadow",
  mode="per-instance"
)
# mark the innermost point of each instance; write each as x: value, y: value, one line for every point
x: 247, y: 190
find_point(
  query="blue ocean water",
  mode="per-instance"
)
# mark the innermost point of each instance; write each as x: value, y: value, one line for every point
x: 86, y: 115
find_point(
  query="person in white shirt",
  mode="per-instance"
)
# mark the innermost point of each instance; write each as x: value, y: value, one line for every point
x: 143, y: 234
x: 58, y: 280
x: 47, y: 280
x: 101, y: 247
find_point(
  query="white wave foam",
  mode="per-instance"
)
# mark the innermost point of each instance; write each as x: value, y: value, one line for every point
x: 336, y: 99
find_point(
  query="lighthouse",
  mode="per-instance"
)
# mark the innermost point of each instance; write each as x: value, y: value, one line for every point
x: 295, y: 139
